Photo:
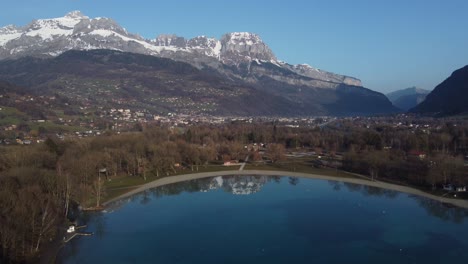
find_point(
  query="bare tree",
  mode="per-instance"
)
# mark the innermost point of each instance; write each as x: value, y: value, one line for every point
x: 275, y: 152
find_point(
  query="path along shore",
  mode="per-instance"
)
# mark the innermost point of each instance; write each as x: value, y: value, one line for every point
x: 378, y: 184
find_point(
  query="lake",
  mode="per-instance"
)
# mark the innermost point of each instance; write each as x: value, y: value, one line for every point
x: 271, y: 219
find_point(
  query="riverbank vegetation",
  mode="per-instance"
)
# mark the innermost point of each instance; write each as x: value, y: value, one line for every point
x: 41, y: 183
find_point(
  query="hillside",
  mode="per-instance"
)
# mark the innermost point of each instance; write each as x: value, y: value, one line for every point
x: 408, y: 98
x: 113, y: 79
x: 448, y: 98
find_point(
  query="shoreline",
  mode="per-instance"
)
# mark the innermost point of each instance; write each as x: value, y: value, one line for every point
x: 378, y: 184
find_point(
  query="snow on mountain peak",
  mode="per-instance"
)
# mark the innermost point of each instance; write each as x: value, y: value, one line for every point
x: 167, y: 40
x: 8, y: 33
x: 244, y: 36
x: 305, y: 66
x: 48, y: 28
x: 76, y: 14
x: 53, y: 36
x: 210, y: 46
x: 238, y: 47
x: 8, y: 28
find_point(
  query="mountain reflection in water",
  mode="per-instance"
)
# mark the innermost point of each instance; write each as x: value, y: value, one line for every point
x: 266, y: 219
x: 247, y: 185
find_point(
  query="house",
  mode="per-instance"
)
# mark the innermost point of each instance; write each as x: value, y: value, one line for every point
x: 71, y: 229
x: 451, y: 188
x: 448, y: 187
x: 231, y: 163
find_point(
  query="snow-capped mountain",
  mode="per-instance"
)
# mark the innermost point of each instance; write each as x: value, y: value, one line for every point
x: 75, y: 31
x: 244, y: 47
x: 52, y: 37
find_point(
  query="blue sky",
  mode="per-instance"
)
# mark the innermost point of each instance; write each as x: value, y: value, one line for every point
x: 388, y: 44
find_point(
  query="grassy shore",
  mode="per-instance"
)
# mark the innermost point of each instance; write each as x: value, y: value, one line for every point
x: 303, y: 168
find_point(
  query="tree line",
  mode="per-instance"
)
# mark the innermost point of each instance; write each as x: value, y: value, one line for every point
x: 40, y: 184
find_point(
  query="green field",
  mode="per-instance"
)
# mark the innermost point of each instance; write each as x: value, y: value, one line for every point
x: 11, y: 116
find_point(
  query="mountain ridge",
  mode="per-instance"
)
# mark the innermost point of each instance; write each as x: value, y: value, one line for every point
x: 408, y: 98
x: 52, y: 37
x: 447, y: 98
x: 239, y: 62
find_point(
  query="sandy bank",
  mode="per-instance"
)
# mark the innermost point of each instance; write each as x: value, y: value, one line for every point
x: 383, y: 185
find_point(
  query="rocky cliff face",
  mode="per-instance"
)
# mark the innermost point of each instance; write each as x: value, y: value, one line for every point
x: 52, y: 37
x: 75, y: 31
x: 241, y: 47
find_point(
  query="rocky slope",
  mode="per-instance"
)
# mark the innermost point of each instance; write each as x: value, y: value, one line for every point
x: 448, y: 98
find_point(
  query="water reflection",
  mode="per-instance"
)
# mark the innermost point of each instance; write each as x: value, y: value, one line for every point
x: 293, y: 180
x: 443, y: 211
x: 238, y: 185
x: 368, y: 190
x: 247, y: 185
x: 280, y: 219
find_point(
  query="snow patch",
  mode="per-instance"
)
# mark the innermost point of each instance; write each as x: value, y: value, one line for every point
x: 48, y: 28
x: 76, y: 14
x: 274, y: 62
x: 7, y: 37
x: 158, y: 49
x: 217, y: 49
x: 102, y: 32
x: 49, y: 33
x: 244, y: 38
x: 54, y: 53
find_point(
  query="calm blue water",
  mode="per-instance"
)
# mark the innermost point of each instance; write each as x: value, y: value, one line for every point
x: 247, y: 219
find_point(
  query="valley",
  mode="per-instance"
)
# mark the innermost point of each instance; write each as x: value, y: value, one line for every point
x: 94, y: 117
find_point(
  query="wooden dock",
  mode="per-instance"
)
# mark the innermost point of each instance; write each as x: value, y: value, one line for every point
x: 66, y: 240
x: 70, y: 236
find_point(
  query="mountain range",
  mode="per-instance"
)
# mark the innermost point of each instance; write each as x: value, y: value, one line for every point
x: 242, y: 74
x: 448, y: 98
x: 408, y: 98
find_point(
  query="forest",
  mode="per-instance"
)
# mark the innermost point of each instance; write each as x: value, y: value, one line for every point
x: 41, y: 184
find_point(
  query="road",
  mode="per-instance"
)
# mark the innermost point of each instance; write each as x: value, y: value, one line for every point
x: 243, y: 163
